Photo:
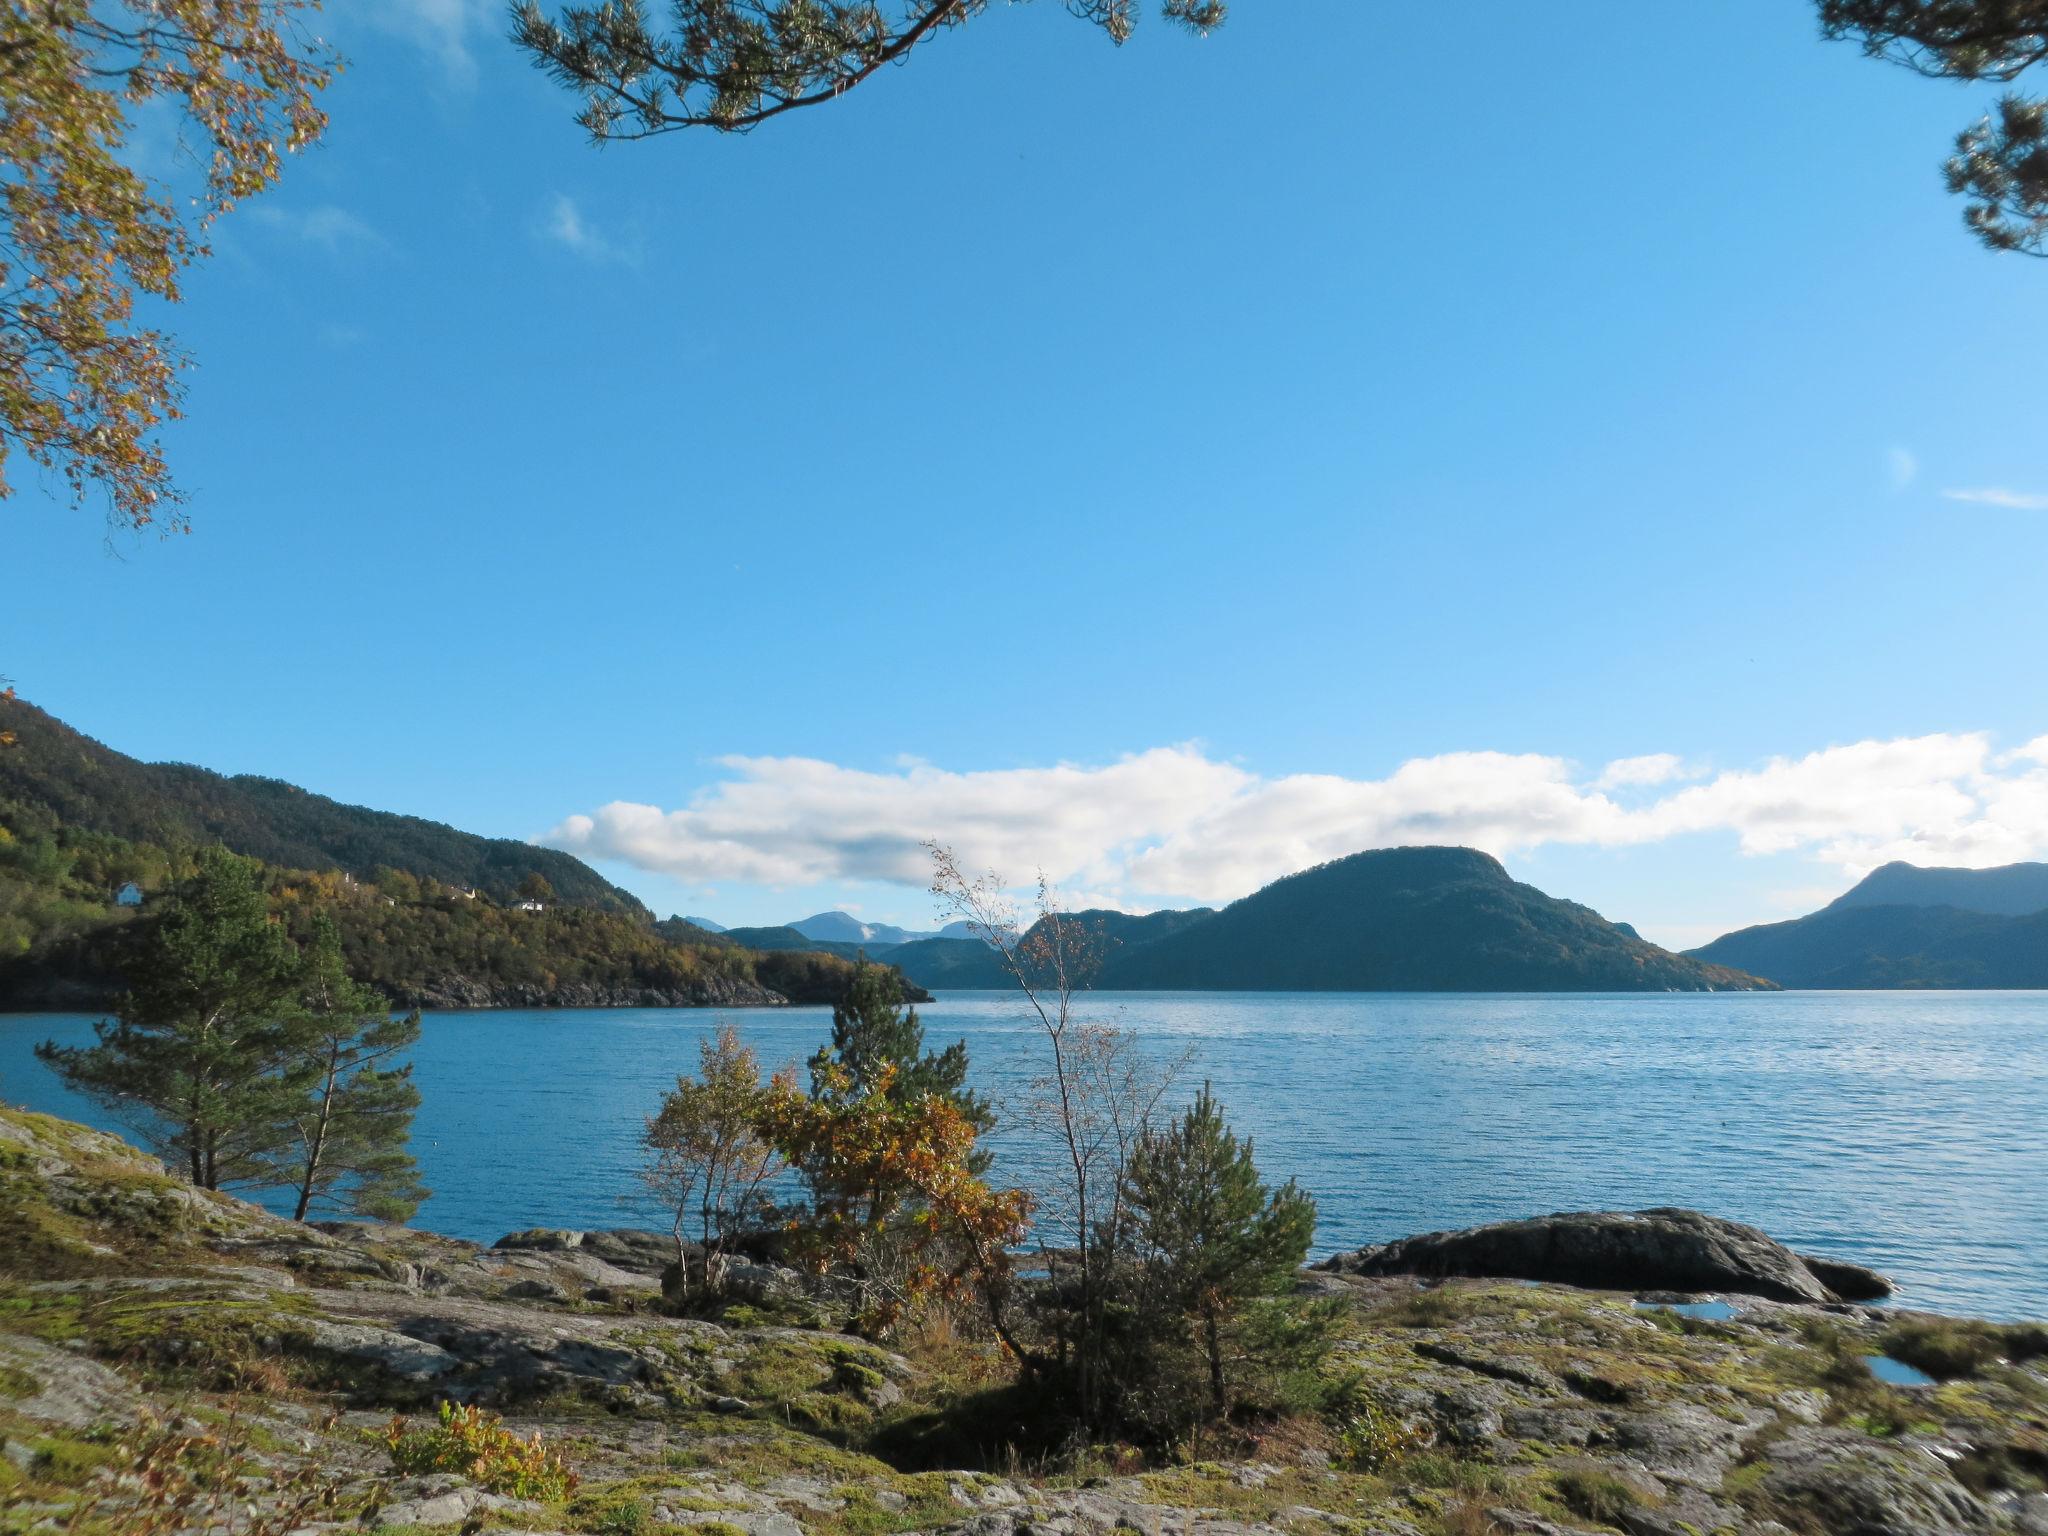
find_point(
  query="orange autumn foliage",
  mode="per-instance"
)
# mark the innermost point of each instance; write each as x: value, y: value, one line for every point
x: 894, y: 1203
x: 84, y: 231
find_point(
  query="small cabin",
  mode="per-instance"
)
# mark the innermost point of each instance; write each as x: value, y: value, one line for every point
x: 533, y: 906
x: 127, y: 894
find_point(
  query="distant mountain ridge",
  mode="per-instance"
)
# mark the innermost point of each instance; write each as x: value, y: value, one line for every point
x: 844, y: 928
x: 87, y: 785
x: 1905, y: 926
x: 1409, y: 920
x: 1392, y: 919
x: 2009, y: 890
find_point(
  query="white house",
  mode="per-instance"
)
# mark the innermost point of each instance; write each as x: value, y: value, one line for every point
x: 128, y: 894
x: 533, y: 906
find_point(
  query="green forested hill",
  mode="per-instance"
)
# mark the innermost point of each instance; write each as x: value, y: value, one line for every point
x: 962, y: 964
x: 421, y: 943
x: 2008, y: 890
x: 88, y: 787
x: 1396, y: 919
x: 1868, y: 947
x: 1409, y: 919
x: 427, y: 914
x: 1904, y: 925
x: 781, y: 938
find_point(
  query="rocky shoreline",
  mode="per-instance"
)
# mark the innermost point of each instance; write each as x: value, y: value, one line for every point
x: 465, y: 992
x: 70, y: 994
x: 1480, y: 1406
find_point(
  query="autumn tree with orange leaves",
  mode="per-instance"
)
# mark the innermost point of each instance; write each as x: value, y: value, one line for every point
x: 84, y: 232
x: 897, y: 1211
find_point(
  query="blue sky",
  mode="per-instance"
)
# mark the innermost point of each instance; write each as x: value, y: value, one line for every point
x: 1235, y: 421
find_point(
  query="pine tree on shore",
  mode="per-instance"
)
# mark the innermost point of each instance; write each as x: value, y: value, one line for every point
x: 1211, y: 1240
x: 204, y: 1058
x: 347, y: 1150
x: 873, y: 1030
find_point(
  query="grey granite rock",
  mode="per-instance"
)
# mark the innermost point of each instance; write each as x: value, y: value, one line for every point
x: 1860, y: 1486
x: 1663, y: 1249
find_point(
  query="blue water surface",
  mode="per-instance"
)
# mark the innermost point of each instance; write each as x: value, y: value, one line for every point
x: 1902, y: 1130
x: 1897, y: 1373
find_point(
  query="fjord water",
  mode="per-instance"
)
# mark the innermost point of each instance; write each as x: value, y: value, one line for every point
x: 1904, y: 1130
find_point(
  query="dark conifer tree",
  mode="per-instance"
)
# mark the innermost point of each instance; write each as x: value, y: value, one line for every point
x: 348, y: 1147
x: 1210, y: 1240
x: 873, y: 1032
x: 204, y: 1058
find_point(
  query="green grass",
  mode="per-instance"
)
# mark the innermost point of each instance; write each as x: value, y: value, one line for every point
x: 604, y: 1513
x: 1953, y: 1349
x: 1596, y: 1494
x: 18, y: 1383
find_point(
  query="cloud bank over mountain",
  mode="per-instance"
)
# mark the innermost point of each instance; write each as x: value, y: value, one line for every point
x: 1174, y: 824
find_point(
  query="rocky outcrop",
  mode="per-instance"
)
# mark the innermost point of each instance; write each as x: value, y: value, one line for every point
x: 1859, y: 1484
x: 1664, y: 1249
x: 1468, y: 1405
x: 1849, y: 1282
x: 629, y: 1248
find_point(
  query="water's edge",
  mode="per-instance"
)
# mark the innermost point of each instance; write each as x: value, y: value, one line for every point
x: 1897, y: 1130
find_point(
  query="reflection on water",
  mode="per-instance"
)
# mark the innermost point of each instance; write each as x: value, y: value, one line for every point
x: 1901, y: 1130
x: 1713, y: 1311
x: 1897, y: 1372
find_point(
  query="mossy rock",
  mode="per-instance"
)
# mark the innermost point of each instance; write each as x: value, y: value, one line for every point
x: 17, y: 1383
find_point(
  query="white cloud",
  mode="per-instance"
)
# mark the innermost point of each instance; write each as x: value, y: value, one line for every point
x: 440, y: 28
x: 787, y: 821
x: 1654, y: 768
x: 1490, y: 800
x: 1999, y: 496
x: 1175, y: 825
x: 1901, y: 467
x: 567, y: 227
x: 334, y: 229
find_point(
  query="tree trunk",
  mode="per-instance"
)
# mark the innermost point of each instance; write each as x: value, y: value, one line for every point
x: 1215, y: 1360
x: 682, y: 1255
x: 316, y: 1143
x: 195, y: 1138
x: 714, y: 1253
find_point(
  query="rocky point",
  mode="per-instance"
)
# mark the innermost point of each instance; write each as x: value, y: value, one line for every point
x: 1460, y: 1398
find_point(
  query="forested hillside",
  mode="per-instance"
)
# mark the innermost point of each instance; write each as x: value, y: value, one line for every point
x: 1409, y: 919
x: 419, y: 942
x: 784, y: 938
x: 2008, y: 890
x: 1905, y: 926
x: 420, y: 937
x: 1881, y: 948
x: 1394, y: 919
x: 88, y: 787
